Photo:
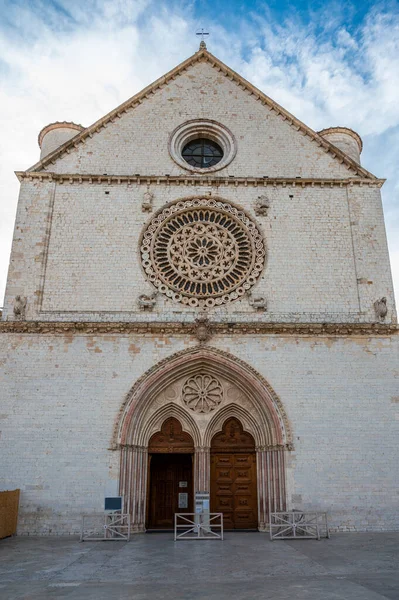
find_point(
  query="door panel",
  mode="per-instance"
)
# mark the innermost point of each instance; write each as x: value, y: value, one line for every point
x: 233, y: 489
x: 167, y: 473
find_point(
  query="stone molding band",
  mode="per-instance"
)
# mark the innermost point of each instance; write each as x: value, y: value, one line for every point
x: 96, y: 327
x: 198, y: 449
x: 190, y: 180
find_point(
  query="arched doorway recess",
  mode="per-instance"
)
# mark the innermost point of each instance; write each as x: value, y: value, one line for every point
x: 170, y: 487
x: 233, y: 476
x: 168, y: 390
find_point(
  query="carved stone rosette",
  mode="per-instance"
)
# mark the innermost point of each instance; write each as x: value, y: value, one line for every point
x: 202, y: 393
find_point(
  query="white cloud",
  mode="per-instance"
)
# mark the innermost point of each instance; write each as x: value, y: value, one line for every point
x: 78, y: 61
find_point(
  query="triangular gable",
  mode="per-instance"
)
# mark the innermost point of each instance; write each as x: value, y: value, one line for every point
x: 203, y: 55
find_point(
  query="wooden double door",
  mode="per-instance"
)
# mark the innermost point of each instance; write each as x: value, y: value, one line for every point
x: 233, y: 484
x: 171, y: 454
x: 233, y: 489
x: 233, y: 477
x: 171, y: 488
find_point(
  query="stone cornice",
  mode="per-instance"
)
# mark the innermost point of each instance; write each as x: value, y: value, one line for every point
x: 203, y: 56
x: 100, y: 328
x: 193, y: 180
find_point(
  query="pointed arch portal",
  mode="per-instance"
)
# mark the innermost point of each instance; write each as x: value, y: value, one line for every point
x: 244, y: 421
x: 233, y: 476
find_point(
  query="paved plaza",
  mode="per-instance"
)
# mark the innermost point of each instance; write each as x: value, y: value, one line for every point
x: 245, y: 566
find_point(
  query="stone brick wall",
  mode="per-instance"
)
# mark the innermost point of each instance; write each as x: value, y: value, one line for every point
x: 76, y: 252
x: 340, y: 395
x: 75, y: 257
x: 137, y: 142
x: 76, y: 245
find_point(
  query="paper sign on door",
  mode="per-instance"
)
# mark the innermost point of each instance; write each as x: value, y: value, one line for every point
x: 183, y: 500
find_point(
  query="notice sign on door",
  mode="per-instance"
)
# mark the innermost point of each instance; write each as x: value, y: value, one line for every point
x: 183, y: 500
x: 182, y: 483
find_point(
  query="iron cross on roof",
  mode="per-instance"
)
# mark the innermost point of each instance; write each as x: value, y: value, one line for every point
x: 202, y: 33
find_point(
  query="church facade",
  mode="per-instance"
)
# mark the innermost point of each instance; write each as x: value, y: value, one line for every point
x: 199, y: 298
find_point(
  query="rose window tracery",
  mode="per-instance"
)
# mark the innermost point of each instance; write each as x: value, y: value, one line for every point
x: 202, y: 251
x: 202, y: 393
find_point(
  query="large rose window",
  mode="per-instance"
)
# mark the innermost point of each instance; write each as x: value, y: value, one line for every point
x: 202, y: 252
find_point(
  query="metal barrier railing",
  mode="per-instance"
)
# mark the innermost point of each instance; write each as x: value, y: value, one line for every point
x: 298, y: 525
x: 112, y: 526
x: 199, y: 526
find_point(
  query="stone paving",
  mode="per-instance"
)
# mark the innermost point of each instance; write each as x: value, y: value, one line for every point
x: 245, y: 566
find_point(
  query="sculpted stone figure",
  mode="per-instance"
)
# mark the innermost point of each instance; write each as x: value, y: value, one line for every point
x: 19, y: 307
x: 380, y: 307
x: 202, y: 327
x: 148, y: 198
x: 262, y: 205
x: 147, y: 302
x: 257, y: 302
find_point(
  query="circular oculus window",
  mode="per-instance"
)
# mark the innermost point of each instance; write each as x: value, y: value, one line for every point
x: 202, y: 252
x: 202, y: 146
x: 202, y: 153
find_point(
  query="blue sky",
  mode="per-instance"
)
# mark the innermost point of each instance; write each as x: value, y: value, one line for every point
x: 303, y: 11
x: 329, y: 63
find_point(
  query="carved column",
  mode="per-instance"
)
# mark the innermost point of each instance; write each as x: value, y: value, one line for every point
x: 271, y: 483
x: 202, y: 463
x: 133, y: 483
x: 262, y: 487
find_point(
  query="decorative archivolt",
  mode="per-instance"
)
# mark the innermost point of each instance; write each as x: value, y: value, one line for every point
x: 171, y: 438
x: 232, y: 437
x: 156, y: 421
x: 247, y: 420
x: 249, y: 398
